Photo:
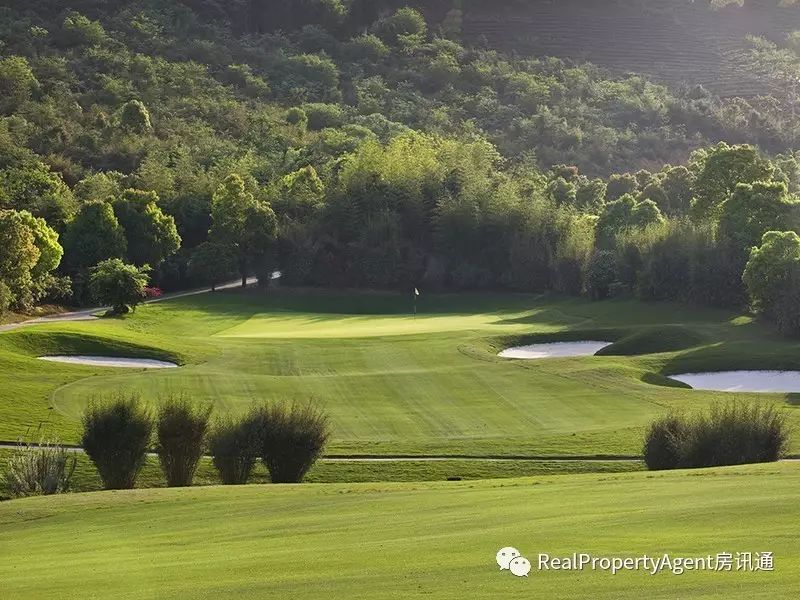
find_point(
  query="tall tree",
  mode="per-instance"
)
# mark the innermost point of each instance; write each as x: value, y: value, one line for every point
x: 152, y: 235
x: 242, y: 223
x: 92, y: 236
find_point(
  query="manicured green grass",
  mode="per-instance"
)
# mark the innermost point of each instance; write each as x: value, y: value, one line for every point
x: 431, y: 540
x: 86, y: 479
x: 392, y: 383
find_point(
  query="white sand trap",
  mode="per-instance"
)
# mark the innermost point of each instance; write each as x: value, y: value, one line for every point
x: 112, y: 361
x: 554, y: 350
x: 743, y: 381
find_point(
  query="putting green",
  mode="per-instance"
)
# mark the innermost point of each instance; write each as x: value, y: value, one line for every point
x: 392, y: 383
x: 437, y: 541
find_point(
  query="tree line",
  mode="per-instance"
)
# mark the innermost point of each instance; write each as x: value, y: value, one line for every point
x: 393, y: 158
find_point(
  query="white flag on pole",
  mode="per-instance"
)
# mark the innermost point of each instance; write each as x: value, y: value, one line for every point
x: 416, y: 292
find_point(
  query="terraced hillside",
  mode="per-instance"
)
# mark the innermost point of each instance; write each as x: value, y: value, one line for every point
x: 673, y: 41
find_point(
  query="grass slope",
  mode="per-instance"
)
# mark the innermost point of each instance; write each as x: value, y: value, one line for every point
x: 392, y: 383
x: 431, y: 540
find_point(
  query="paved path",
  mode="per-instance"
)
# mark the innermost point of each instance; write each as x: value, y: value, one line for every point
x: 90, y: 314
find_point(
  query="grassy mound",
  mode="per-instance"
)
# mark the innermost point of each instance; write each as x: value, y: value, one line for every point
x: 321, y: 541
x: 652, y: 340
x: 35, y: 343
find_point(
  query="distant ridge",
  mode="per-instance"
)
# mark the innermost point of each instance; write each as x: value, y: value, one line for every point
x: 672, y: 41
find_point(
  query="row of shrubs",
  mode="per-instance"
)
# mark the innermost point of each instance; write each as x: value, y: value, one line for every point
x: 288, y: 438
x: 117, y: 436
x: 729, y: 434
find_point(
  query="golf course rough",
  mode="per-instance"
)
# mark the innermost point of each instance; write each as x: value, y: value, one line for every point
x: 397, y: 541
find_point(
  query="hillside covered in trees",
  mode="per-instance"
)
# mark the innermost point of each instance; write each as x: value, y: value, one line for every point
x: 374, y: 144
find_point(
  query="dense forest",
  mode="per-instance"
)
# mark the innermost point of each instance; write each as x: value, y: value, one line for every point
x: 369, y: 144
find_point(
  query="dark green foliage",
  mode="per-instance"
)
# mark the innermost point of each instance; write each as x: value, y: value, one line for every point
x: 94, y: 235
x: 601, y: 273
x: 292, y: 437
x: 116, y: 437
x: 17, y: 83
x: 119, y: 285
x: 772, y: 277
x: 730, y: 434
x: 754, y: 209
x: 624, y: 214
x: 152, y: 235
x: 719, y: 170
x: 662, y: 443
x: 212, y: 263
x: 320, y: 116
x: 235, y: 445
x: 735, y: 434
x: 135, y: 117
x: 6, y: 298
x: 181, y: 430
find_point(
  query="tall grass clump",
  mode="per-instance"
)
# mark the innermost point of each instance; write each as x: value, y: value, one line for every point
x: 293, y: 437
x: 729, y: 434
x: 39, y: 470
x: 234, y: 445
x: 181, y: 431
x: 662, y: 443
x: 116, y: 437
x: 735, y: 434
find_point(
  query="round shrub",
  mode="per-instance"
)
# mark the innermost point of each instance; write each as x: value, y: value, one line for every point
x: 116, y: 437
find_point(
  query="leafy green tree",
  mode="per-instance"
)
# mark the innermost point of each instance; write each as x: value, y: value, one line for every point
x: 135, y: 117
x: 94, y: 235
x: 619, y: 185
x: 300, y: 194
x: 17, y: 83
x: 99, y: 186
x: 18, y: 256
x: 622, y: 214
x: 405, y: 23
x: 590, y: 196
x: 152, y: 235
x: 33, y: 187
x: 297, y: 116
x: 78, y: 30
x: 50, y: 251
x: 718, y: 170
x: 242, y: 223
x: 29, y: 253
x: 677, y: 183
x: 562, y: 192
x: 212, y: 263
x: 119, y: 285
x: 772, y: 271
x: 601, y: 273
x: 754, y: 209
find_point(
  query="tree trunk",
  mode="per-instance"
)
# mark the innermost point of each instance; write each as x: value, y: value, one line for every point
x: 244, y: 280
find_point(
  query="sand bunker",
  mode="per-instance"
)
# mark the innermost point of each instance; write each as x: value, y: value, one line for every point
x: 112, y: 361
x: 554, y: 349
x: 743, y: 381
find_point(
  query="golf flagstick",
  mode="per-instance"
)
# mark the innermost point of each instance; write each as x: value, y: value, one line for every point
x: 416, y: 293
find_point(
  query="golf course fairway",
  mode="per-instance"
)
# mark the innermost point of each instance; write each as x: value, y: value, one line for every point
x: 394, y: 384
x: 416, y: 540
